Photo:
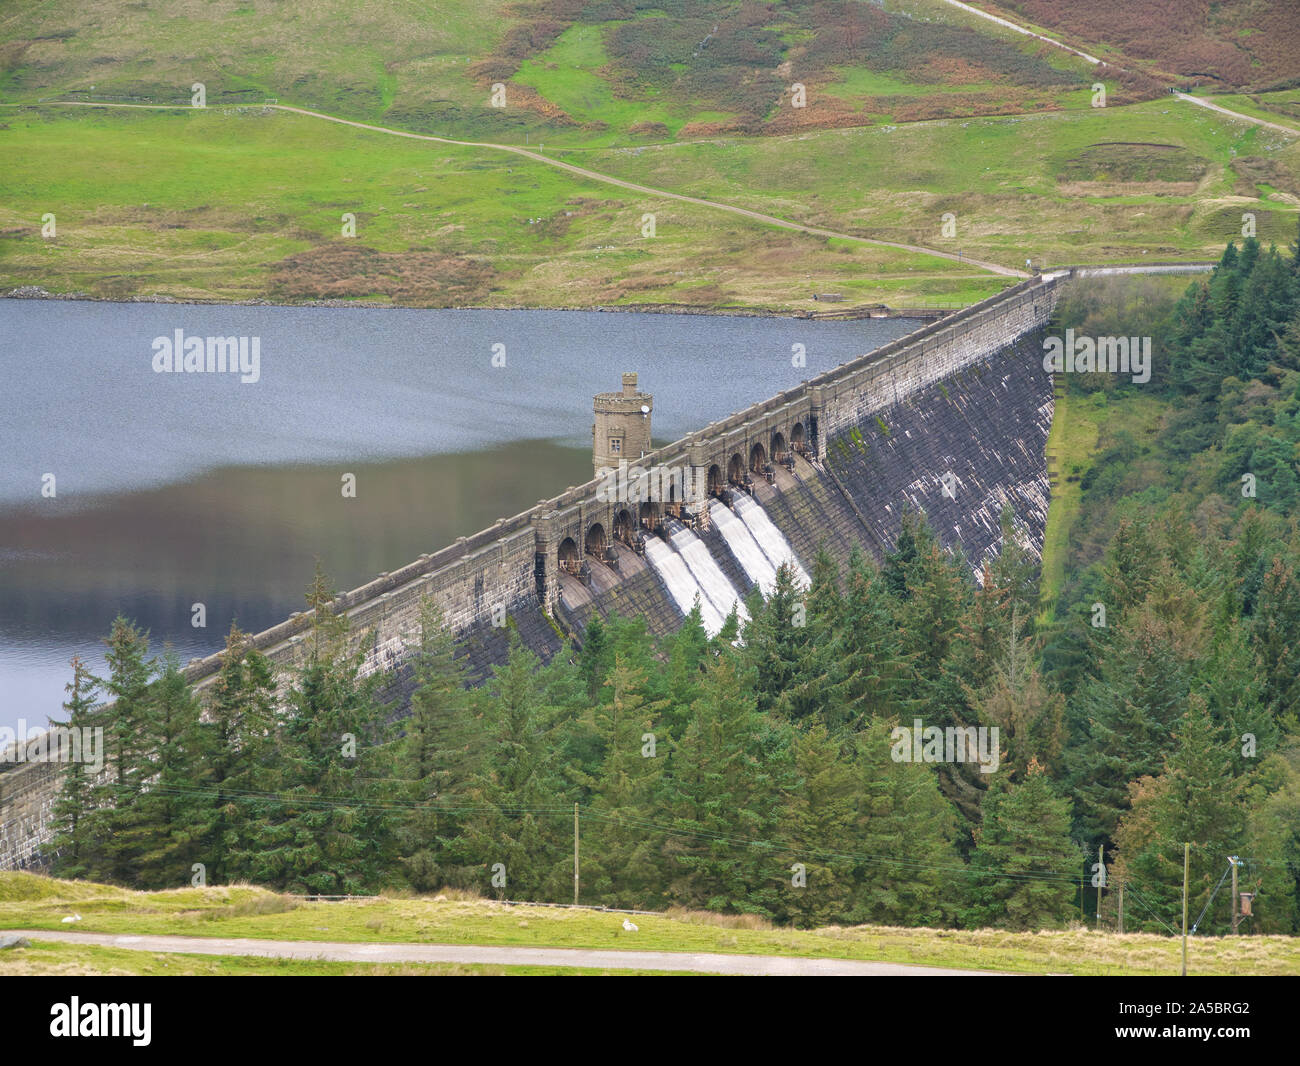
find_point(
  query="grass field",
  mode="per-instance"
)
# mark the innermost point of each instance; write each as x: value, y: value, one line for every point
x: 1087, y: 186
x: 46, y: 959
x: 236, y: 204
x: 28, y: 901
x: 244, y: 204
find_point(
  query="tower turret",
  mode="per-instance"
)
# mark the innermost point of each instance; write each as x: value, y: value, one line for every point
x: 622, y: 427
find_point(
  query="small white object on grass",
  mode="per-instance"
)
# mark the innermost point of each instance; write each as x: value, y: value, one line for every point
x: 629, y: 926
x: 72, y: 918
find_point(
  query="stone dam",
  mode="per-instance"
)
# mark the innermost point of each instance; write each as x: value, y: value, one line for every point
x: 951, y: 419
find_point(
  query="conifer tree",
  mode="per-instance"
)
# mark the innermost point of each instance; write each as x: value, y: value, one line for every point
x: 1024, y: 869
x: 324, y: 833
x: 909, y: 873
x: 441, y: 750
x: 236, y: 738
x: 1029, y: 718
x: 625, y: 867
x: 127, y: 732
x: 73, y: 845
x: 818, y: 822
x: 1196, y: 800
x: 721, y: 802
x: 169, y: 810
x: 518, y: 797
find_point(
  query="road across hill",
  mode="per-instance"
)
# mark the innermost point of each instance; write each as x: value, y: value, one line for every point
x: 334, y: 951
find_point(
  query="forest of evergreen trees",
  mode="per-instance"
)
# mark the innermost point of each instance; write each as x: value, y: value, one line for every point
x: 720, y: 774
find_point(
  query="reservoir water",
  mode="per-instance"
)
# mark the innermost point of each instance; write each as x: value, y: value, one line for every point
x: 172, y: 489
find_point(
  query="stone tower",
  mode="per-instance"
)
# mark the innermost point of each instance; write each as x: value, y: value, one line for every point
x: 622, y: 427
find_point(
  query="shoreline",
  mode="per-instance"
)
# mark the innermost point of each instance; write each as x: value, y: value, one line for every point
x: 34, y: 292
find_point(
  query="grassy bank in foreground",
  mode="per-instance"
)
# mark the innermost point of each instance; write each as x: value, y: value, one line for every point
x: 28, y: 901
x: 48, y: 959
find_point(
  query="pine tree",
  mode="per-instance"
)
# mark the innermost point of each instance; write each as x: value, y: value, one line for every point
x: 1124, y: 719
x: 1024, y: 869
x: 127, y: 731
x: 518, y: 797
x: 236, y: 739
x: 324, y: 833
x: 169, y: 821
x: 1272, y: 844
x: 73, y: 845
x: 905, y: 835
x: 1030, y: 719
x: 441, y: 750
x: 817, y: 821
x: 877, y: 671
x: 625, y: 866
x: 721, y: 802
x: 774, y: 645
x: 1197, y: 800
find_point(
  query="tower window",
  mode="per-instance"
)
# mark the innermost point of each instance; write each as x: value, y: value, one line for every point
x: 615, y: 445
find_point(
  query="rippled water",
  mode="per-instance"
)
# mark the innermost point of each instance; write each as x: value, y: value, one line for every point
x: 174, y: 489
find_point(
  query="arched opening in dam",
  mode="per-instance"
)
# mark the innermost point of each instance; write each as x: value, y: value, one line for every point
x: 623, y: 526
x: 778, y: 446
x: 757, y: 459
x: 736, y: 470
x: 649, y: 515
x: 796, y: 437
x: 596, y: 541
x: 715, y: 479
x: 568, y: 554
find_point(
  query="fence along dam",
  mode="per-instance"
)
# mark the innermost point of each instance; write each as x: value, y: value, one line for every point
x: 951, y: 419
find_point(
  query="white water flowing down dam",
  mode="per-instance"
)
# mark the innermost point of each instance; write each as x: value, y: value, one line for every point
x: 769, y: 538
x: 683, y: 588
x: 744, y: 547
x: 708, y: 575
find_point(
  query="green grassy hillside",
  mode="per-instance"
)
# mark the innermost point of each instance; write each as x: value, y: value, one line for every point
x: 914, y: 111
x: 28, y: 901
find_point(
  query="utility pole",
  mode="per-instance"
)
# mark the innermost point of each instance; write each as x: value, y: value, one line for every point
x: 1187, y: 851
x: 1121, y: 906
x: 575, y: 854
x: 1235, y: 917
x: 1101, y: 881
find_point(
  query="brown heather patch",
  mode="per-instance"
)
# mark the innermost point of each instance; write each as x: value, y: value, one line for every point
x: 822, y: 113
x: 1126, y: 188
x: 159, y: 219
x: 1253, y: 170
x: 723, y: 921
x: 347, y: 271
x: 649, y: 129
x: 529, y: 99
x: 707, y: 129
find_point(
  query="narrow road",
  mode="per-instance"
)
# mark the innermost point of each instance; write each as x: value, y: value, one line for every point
x: 1094, y: 60
x: 1236, y: 114
x: 738, y: 965
x: 593, y: 175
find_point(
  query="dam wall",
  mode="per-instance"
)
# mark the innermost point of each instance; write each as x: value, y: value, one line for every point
x: 833, y: 462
